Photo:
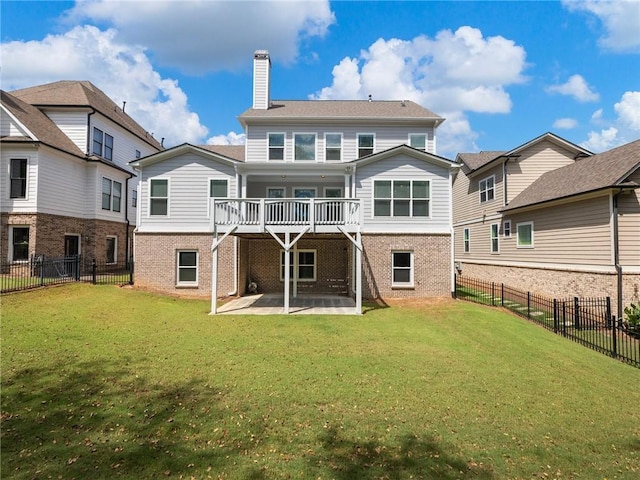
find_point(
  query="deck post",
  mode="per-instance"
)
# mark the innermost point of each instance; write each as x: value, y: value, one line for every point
x: 359, y: 274
x: 287, y: 264
x: 295, y: 270
x: 214, y: 273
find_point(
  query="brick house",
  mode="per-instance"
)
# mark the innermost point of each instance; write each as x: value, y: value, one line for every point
x: 66, y: 185
x: 342, y: 197
x: 550, y: 217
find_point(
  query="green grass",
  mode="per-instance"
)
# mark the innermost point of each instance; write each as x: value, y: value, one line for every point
x: 106, y: 382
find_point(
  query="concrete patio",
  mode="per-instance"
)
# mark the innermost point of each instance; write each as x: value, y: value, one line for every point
x: 273, y: 304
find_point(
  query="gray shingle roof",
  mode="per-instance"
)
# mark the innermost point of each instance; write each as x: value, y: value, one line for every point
x: 70, y: 93
x: 235, y: 152
x: 473, y: 161
x: 39, y: 124
x: 347, y: 109
x: 597, y: 172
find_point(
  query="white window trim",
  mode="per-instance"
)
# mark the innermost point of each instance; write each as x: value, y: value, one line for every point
x: 134, y: 198
x: 300, y: 250
x: 480, y: 191
x: 383, y: 179
x: 518, y: 235
x: 187, y: 284
x: 426, y: 140
x: 505, y: 229
x: 284, y: 146
x: 492, y: 238
x: 115, y: 252
x: 409, y: 284
x: 26, y: 181
x: 168, y: 215
x: 315, y: 191
x: 358, y: 135
x: 326, y: 146
x: 315, y: 146
x: 209, y: 197
x: 10, y: 242
x: 466, y: 243
x: 284, y: 192
x: 324, y: 191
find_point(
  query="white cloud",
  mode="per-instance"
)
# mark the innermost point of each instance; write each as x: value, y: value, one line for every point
x: 604, y: 140
x: 122, y: 71
x: 621, y: 20
x: 625, y: 127
x: 597, y: 115
x: 628, y: 110
x: 204, y: 36
x: 565, y: 123
x: 453, y: 73
x: 231, y: 138
x: 575, y: 87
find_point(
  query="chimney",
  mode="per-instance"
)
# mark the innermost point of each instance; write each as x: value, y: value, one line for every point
x: 261, y: 80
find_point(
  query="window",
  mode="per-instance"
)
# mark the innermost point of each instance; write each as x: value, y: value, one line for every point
x: 275, y: 192
x: 19, y: 244
x: 276, y: 146
x: 506, y: 228
x: 495, y: 245
x: 418, y: 141
x: 306, y: 265
x: 402, y: 269
x: 187, y: 273
x: 333, y: 146
x: 333, y: 192
x: 18, y: 175
x: 111, y: 194
x: 108, y: 146
x: 466, y: 236
x: 218, y: 188
x: 365, y: 144
x: 98, y: 138
x: 401, y: 198
x: 134, y: 198
x: 102, y: 144
x: 159, y: 197
x: 304, y: 146
x: 112, y: 249
x: 487, y: 189
x: 524, y: 233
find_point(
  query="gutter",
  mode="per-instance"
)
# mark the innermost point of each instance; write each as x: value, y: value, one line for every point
x: 616, y: 252
x: 126, y: 217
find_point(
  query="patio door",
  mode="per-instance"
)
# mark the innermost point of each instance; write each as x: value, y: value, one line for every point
x: 302, y: 209
x: 70, y: 265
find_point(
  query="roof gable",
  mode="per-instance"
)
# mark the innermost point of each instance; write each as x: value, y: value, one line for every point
x: 407, y: 150
x: 203, y: 150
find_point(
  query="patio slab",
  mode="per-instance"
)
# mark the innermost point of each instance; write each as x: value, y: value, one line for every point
x: 273, y: 304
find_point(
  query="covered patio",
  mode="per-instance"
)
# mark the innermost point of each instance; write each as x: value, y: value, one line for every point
x: 273, y: 304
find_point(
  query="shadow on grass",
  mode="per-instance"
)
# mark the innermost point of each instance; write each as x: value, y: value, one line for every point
x: 413, y: 457
x: 99, y: 420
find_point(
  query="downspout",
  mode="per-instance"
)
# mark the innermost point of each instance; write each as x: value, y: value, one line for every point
x: 616, y: 253
x: 504, y: 182
x: 452, y: 249
x: 127, y: 253
x: 93, y: 110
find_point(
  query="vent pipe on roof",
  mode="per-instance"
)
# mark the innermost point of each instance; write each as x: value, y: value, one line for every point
x: 370, y: 97
x: 261, y: 80
x: 124, y: 104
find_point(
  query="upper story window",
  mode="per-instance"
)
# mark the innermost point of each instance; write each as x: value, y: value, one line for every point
x: 487, y: 189
x: 102, y: 144
x: 401, y: 198
x: 366, y: 143
x: 111, y: 194
x: 333, y: 147
x: 418, y: 141
x: 158, y: 197
x: 137, y: 153
x: 276, y: 146
x: 218, y: 188
x: 134, y: 198
x: 18, y: 176
x: 304, y: 146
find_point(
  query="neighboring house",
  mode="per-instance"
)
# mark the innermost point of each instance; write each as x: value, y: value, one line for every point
x: 66, y: 185
x: 551, y: 218
x: 352, y: 190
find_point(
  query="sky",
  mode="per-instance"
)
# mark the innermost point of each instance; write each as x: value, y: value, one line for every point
x: 501, y: 73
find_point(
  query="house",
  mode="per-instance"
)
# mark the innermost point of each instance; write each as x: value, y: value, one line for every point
x: 67, y: 187
x: 325, y: 197
x: 552, y: 218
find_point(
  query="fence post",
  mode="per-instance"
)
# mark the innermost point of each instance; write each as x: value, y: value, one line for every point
x: 564, y: 319
x: 455, y: 285
x: 528, y: 304
x: 502, y: 294
x: 77, y: 268
x: 555, y: 316
x: 576, y: 313
x: 492, y: 294
x: 131, y: 272
x: 42, y: 271
x: 94, y: 272
x: 614, y: 336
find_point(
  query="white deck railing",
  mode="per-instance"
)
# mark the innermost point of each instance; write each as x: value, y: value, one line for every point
x: 287, y: 212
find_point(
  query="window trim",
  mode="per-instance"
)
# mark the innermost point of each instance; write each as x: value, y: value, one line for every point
x: 149, y: 197
x: 518, y: 244
x: 115, y: 250
x: 340, y: 148
x: 300, y: 250
x: 108, y: 146
x: 134, y: 198
x: 486, y: 190
x: 23, y: 181
x: 411, y: 268
x: 315, y: 147
x: 112, y: 195
x: 98, y: 142
x: 411, y: 199
x: 11, y: 244
x: 494, y: 240
x: 283, y: 147
x: 185, y: 283
x: 358, y: 148
x: 426, y: 139
x: 109, y: 193
x: 324, y: 191
x: 209, y: 196
x: 466, y: 240
x: 506, y: 228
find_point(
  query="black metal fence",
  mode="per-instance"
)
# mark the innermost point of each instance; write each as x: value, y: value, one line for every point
x: 42, y: 271
x: 587, y: 321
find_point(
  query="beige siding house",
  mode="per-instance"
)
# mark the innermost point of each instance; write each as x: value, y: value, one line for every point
x: 568, y: 223
x: 326, y: 197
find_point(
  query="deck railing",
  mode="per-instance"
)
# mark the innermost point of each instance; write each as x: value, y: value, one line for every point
x: 262, y: 212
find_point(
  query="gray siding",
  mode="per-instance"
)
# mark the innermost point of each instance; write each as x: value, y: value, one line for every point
x: 73, y: 125
x: 466, y: 195
x: 18, y: 205
x: 629, y: 226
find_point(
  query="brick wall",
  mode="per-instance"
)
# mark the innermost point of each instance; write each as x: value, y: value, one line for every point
x: 432, y: 265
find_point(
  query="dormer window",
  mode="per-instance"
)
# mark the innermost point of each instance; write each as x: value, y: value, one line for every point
x: 487, y: 189
x: 304, y: 146
x: 276, y: 146
x: 365, y: 144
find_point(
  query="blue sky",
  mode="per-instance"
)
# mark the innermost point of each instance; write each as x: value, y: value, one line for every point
x: 501, y: 73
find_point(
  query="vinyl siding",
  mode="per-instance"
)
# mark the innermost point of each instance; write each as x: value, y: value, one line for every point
x: 261, y: 83
x: 188, y: 177
x: 629, y: 225
x: 404, y: 167
x: 466, y: 195
x: 102, y: 171
x: 18, y: 205
x: 73, y: 125
x: 61, y: 184
x: 9, y: 128
x: 385, y: 138
x: 541, y: 157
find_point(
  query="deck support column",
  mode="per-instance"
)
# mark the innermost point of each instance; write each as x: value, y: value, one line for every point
x: 357, y: 242
x: 287, y: 264
x: 214, y: 266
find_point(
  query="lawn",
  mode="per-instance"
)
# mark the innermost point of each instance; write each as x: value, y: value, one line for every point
x: 106, y: 382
